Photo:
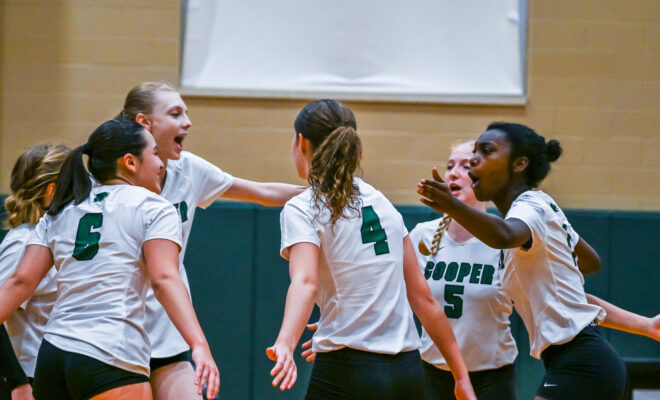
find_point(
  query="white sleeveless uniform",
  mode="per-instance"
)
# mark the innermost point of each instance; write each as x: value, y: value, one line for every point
x: 191, y: 182
x: 100, y: 307
x: 544, y: 281
x: 26, y: 325
x: 361, y: 292
x: 465, y: 280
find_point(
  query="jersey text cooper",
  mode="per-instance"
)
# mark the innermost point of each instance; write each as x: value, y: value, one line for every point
x: 458, y: 272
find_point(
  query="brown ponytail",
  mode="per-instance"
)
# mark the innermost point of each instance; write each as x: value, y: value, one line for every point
x: 334, y: 163
x: 331, y: 129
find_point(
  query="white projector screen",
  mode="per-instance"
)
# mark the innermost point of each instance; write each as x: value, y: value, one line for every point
x: 455, y: 51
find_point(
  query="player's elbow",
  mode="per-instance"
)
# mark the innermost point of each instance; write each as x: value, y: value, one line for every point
x: 308, y: 284
x: 161, y: 281
x: 590, y: 266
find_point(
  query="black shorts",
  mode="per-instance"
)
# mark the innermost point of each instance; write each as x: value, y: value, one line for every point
x: 156, y: 363
x: 586, y: 368
x: 64, y: 375
x: 489, y: 384
x: 354, y: 374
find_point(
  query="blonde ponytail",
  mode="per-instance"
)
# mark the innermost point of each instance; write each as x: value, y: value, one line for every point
x: 435, y: 244
x: 34, y: 170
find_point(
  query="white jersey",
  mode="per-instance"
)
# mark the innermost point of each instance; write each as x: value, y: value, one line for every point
x: 465, y: 280
x: 101, y: 277
x: 543, y: 280
x: 361, y: 292
x: 26, y: 325
x: 191, y: 182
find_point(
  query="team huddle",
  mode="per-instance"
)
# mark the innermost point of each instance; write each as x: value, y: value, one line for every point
x: 96, y: 303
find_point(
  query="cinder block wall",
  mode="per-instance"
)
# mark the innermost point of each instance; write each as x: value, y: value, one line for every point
x: 593, y: 79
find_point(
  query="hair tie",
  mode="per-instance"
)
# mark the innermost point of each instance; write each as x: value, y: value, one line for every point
x: 87, y: 148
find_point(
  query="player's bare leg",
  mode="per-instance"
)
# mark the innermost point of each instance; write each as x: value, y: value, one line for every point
x: 136, y: 391
x: 174, y: 382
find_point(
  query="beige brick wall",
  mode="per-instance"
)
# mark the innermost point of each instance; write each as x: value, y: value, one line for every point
x: 593, y: 79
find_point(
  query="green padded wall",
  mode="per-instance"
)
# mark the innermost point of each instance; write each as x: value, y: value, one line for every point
x: 239, y: 283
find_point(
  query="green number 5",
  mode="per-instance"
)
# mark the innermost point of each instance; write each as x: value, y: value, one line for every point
x: 454, y: 307
x: 372, y: 232
x: 87, y: 242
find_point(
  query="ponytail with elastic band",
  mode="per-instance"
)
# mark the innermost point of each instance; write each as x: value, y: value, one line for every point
x: 74, y: 182
x: 334, y: 164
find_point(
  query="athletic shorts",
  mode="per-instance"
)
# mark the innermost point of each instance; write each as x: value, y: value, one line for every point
x: 586, y: 368
x: 489, y: 384
x: 64, y: 375
x: 354, y: 374
x: 156, y: 363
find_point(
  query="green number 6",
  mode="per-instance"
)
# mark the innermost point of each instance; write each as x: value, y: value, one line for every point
x: 87, y: 242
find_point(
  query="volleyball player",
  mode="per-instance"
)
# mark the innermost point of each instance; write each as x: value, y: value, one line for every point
x: 463, y: 275
x: 349, y: 251
x: 107, y: 243
x: 540, y: 260
x: 188, y: 182
x: 32, y: 186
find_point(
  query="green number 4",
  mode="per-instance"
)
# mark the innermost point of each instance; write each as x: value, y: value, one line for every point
x: 372, y: 232
x: 87, y: 242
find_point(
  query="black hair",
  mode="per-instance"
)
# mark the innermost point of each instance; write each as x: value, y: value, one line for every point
x: 110, y: 141
x: 526, y: 142
x: 331, y: 128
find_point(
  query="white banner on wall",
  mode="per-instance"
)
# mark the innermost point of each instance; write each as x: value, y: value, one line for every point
x: 464, y: 51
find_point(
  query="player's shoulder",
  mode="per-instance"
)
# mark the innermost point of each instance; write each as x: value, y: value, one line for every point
x: 536, y: 199
x: 130, y: 196
x: 19, y: 234
x: 187, y: 161
x: 303, y: 200
x: 426, y: 226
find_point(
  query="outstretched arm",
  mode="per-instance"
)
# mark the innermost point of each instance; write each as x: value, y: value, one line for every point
x: 494, y: 231
x: 435, y: 321
x: 162, y: 259
x: 264, y: 193
x: 303, y: 269
x: 622, y: 320
x: 21, y: 285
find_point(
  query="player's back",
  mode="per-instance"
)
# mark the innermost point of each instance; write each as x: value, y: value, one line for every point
x: 361, y: 293
x: 101, y: 277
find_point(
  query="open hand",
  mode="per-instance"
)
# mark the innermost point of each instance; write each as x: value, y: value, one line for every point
x: 285, y: 371
x: 206, y: 372
x: 436, y: 193
x: 307, y: 353
x: 463, y: 390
